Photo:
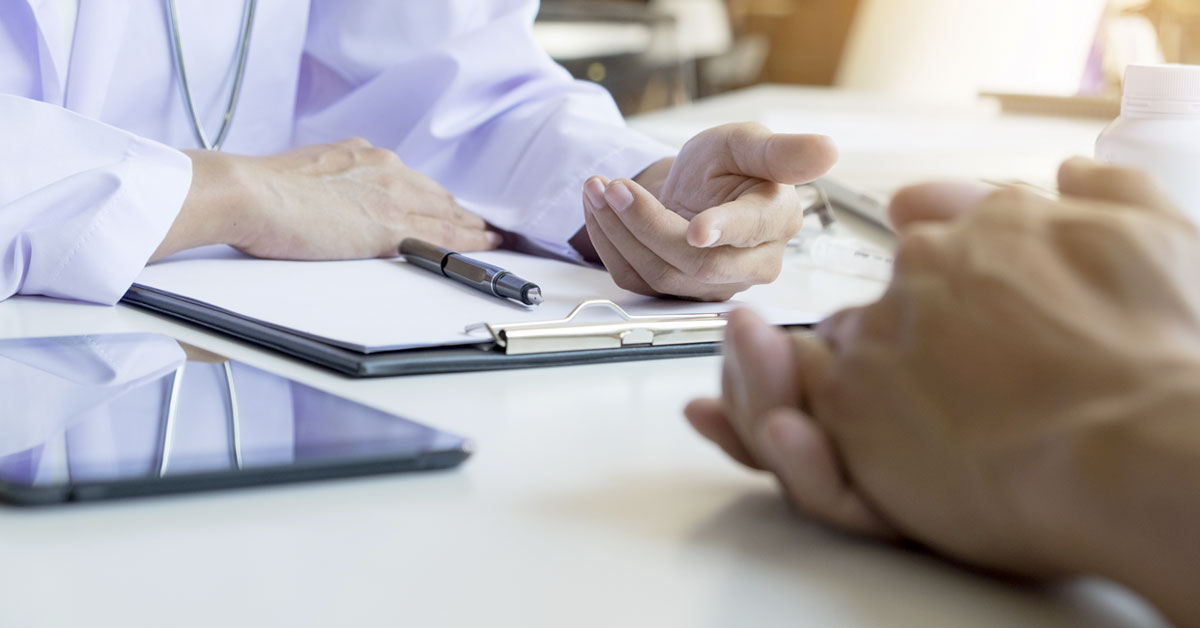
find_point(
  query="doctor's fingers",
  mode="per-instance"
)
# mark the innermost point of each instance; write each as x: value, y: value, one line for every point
x: 654, y: 240
x: 381, y: 170
x: 766, y: 213
x: 618, y: 267
x: 442, y: 233
x: 791, y: 159
x: 633, y: 265
x: 413, y: 192
x: 636, y: 268
x: 434, y: 203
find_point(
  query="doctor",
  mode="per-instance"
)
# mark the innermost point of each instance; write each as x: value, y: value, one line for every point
x: 345, y: 126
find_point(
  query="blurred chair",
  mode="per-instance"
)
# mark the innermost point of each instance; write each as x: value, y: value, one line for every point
x: 624, y: 46
x: 645, y: 52
x: 801, y: 40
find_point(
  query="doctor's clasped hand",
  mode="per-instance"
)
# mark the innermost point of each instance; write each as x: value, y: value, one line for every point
x: 710, y: 222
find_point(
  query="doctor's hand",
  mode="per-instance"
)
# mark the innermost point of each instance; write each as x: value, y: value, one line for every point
x: 344, y: 200
x: 711, y: 222
x: 1023, y: 397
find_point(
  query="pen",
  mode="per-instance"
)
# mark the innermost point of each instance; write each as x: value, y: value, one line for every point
x: 843, y: 255
x: 479, y: 275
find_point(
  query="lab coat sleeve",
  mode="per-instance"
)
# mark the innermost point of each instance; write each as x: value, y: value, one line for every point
x: 83, y: 205
x: 53, y: 384
x: 463, y: 93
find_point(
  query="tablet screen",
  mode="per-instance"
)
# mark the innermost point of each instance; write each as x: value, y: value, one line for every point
x: 142, y: 408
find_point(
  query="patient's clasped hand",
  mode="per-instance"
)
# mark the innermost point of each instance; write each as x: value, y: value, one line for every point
x: 1024, y: 397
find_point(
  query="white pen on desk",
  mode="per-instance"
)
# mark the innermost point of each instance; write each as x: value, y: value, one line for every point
x: 843, y: 255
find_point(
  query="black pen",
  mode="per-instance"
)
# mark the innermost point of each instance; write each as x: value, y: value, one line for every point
x: 479, y: 275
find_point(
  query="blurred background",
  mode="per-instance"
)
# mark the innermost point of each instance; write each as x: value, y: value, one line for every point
x: 1036, y: 55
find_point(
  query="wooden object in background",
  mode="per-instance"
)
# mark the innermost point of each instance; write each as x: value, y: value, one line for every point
x: 806, y: 36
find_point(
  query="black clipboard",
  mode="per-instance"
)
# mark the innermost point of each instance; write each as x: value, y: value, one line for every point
x: 485, y: 356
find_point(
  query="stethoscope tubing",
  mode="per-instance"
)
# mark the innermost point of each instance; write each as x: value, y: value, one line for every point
x: 185, y: 88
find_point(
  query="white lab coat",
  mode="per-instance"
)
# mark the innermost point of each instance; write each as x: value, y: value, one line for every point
x: 91, y: 178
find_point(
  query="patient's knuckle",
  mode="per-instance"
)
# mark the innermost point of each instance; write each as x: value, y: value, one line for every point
x: 919, y: 247
x: 1128, y: 179
x: 839, y: 393
x: 1008, y: 198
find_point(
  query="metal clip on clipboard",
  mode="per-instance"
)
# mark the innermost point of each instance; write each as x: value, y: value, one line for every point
x: 567, y: 335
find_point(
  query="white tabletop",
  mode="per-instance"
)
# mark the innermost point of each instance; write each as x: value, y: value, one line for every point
x: 589, y: 502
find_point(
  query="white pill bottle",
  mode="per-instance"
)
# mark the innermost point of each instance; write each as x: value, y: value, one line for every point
x: 1159, y: 130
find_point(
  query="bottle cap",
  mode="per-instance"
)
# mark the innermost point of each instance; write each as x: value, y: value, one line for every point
x: 1162, y: 89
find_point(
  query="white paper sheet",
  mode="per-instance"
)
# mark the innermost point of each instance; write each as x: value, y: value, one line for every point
x: 384, y: 305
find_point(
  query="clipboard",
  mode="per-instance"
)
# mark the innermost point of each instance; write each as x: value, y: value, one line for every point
x: 560, y: 342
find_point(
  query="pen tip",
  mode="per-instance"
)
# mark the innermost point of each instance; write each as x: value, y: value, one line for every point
x: 533, y: 296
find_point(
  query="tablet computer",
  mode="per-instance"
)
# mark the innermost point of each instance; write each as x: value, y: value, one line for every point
x: 98, y: 417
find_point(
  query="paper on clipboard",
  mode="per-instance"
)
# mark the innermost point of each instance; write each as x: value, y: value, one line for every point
x: 387, y: 305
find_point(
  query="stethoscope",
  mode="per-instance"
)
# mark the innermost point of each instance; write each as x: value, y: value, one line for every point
x: 243, y: 51
x: 169, y: 414
x: 233, y: 422
x: 166, y: 436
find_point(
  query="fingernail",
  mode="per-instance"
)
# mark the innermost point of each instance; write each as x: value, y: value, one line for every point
x: 594, y: 190
x: 619, y: 196
x: 712, y: 238
x: 493, y: 238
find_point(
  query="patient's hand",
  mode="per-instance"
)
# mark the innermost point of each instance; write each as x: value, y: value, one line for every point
x: 1023, y: 397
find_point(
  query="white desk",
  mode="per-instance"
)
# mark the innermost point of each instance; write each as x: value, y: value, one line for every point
x: 589, y: 503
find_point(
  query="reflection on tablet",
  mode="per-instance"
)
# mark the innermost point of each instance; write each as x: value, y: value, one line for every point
x: 144, y: 409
